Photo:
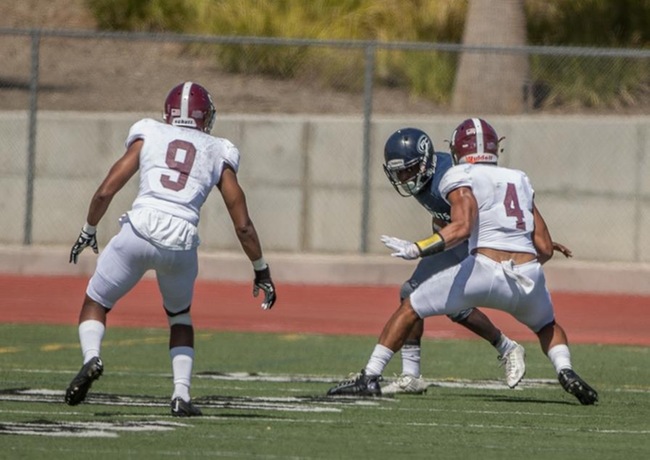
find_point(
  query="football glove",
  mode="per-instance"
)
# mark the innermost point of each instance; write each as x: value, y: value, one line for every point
x: 402, y: 248
x: 264, y: 282
x: 85, y: 239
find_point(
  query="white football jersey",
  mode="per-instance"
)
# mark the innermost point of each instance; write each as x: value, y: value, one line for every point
x: 179, y: 167
x: 505, y: 205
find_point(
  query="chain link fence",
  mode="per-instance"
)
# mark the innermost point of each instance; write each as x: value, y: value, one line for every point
x: 310, y: 118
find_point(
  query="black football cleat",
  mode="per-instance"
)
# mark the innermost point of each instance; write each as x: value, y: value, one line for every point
x: 181, y: 408
x: 359, y: 384
x: 573, y: 384
x: 78, y: 388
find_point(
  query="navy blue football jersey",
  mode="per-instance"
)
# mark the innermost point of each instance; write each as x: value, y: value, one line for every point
x: 430, y: 196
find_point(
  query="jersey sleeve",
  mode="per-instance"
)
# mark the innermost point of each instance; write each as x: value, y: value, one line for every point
x: 231, y: 155
x: 526, y: 181
x: 138, y: 131
x: 456, y: 177
x: 225, y: 154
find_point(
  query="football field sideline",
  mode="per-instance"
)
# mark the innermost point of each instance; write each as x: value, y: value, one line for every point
x: 313, y: 309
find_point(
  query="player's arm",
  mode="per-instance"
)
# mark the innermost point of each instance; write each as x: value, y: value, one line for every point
x: 115, y: 180
x: 541, y: 237
x: 437, y: 223
x: 235, y: 201
x: 464, y: 211
x: 119, y: 174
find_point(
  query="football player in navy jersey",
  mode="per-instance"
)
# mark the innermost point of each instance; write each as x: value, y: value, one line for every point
x: 415, y: 169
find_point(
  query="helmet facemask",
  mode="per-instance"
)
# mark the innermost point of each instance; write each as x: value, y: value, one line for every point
x: 408, y: 178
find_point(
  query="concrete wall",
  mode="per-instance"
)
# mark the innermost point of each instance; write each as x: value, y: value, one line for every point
x: 303, y: 179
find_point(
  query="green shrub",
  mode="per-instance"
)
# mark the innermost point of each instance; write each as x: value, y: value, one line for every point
x: 144, y: 15
x: 572, y: 81
x: 606, y: 23
x: 335, y: 19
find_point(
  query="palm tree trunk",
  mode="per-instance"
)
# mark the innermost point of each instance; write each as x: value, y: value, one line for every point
x: 492, y: 82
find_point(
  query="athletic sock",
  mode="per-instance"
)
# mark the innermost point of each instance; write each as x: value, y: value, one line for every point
x: 380, y: 357
x: 91, y: 333
x: 504, y: 345
x: 560, y: 356
x: 182, y: 360
x: 411, y: 360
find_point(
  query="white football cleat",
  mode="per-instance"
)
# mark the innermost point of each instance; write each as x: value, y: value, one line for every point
x: 406, y: 384
x: 515, y: 365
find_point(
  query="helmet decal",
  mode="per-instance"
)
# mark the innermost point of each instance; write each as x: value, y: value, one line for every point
x: 475, y: 141
x: 185, y: 99
x: 189, y: 105
x: 424, y: 144
x: 478, y: 132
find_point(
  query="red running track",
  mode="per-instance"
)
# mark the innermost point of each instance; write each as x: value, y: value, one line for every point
x: 315, y: 309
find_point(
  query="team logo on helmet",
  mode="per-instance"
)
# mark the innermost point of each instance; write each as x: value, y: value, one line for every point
x: 424, y: 144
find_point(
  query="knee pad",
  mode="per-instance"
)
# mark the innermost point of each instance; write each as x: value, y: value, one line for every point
x: 407, y: 289
x: 460, y: 316
x: 182, y: 317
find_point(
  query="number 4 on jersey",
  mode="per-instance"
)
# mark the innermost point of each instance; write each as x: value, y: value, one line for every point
x: 511, y: 203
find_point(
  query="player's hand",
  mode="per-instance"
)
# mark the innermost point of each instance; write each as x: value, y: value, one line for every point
x: 264, y: 282
x: 402, y: 248
x: 85, y: 239
x: 563, y: 249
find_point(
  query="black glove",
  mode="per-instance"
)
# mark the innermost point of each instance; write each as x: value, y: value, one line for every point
x: 85, y: 239
x: 264, y: 282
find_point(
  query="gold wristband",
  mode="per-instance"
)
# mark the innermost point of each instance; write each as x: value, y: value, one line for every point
x: 432, y: 245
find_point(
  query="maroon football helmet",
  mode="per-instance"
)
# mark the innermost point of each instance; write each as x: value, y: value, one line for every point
x: 475, y: 141
x: 189, y: 105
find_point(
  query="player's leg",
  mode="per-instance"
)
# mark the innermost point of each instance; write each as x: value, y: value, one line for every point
x: 176, y: 275
x: 511, y: 355
x: 537, y: 313
x: 181, y: 352
x: 441, y: 294
x: 410, y: 380
x: 119, y: 268
x: 554, y: 343
x: 391, y: 339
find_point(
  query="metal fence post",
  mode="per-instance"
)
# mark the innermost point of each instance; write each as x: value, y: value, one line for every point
x: 365, y: 164
x: 31, y: 141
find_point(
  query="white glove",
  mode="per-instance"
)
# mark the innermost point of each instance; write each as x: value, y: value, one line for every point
x: 403, y: 248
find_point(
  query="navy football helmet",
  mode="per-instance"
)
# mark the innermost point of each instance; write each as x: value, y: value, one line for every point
x: 409, y: 160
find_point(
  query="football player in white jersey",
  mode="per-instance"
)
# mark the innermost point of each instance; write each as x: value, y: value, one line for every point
x: 180, y: 163
x: 415, y: 169
x: 493, y: 208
